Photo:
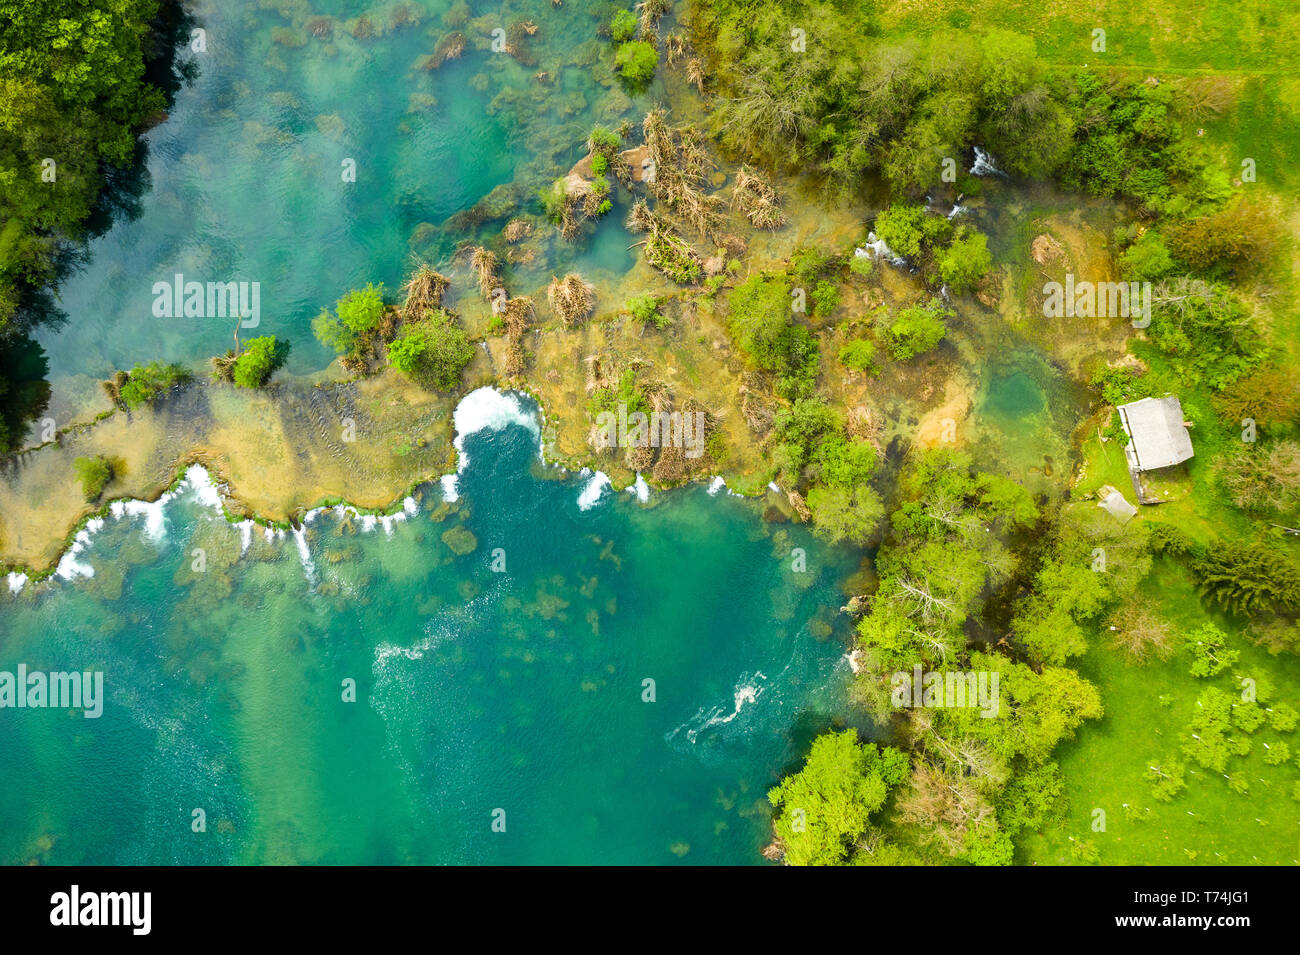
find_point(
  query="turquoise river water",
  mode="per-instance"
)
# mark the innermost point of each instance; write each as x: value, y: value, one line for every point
x: 517, y: 687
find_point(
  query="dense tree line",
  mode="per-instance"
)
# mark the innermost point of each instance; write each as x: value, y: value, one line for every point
x: 79, y: 79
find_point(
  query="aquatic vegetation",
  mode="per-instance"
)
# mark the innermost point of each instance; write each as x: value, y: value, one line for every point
x: 460, y: 540
x: 646, y: 309
x: 519, y: 314
x: 673, y: 256
x: 624, y: 26
x: 94, y: 474
x: 636, y: 62
x: 450, y: 47
x: 486, y: 266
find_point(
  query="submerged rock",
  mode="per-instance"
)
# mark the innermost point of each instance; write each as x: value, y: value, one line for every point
x: 461, y: 540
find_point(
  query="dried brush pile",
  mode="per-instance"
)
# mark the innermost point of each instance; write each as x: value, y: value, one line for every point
x: 571, y: 298
x: 756, y: 200
x: 486, y: 265
x: 424, y: 292
x: 681, y: 166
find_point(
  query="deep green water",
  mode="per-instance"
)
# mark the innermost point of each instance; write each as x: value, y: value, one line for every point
x: 476, y: 690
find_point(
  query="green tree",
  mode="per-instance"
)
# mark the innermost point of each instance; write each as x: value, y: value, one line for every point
x: 353, y: 324
x: 917, y: 329
x: 965, y: 262
x: 823, y: 809
x: 1248, y: 578
x: 259, y: 360
x: 850, y: 514
x: 1210, y: 653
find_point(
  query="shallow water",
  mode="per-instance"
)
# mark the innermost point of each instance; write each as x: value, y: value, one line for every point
x: 1025, y: 413
x: 247, y: 172
x: 476, y: 690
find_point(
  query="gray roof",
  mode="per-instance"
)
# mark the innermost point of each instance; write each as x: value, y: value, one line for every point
x: 1159, y: 438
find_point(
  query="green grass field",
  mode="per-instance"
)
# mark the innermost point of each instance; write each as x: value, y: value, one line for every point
x: 1245, y: 58
x: 1148, y: 708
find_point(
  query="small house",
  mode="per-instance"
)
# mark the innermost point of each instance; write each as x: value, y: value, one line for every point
x: 1158, y: 438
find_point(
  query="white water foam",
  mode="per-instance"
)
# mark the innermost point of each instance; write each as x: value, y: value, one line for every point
x: 304, y: 553
x: 17, y: 582
x: 746, y: 692
x: 985, y: 165
x: 594, y: 489
x: 491, y: 409
x: 641, y: 489
x: 877, y: 247
x: 197, y: 480
x: 716, y: 485
x: 69, y: 566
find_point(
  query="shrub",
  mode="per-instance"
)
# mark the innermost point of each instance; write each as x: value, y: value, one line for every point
x: 758, y: 314
x: 637, y: 62
x: 259, y: 360
x: 965, y: 262
x: 1208, y: 332
x: 860, y: 265
x: 1243, y: 231
x: 900, y: 227
x: 354, y: 321
x: 825, y: 297
x: 146, y: 382
x: 859, y: 354
x: 94, y: 474
x: 628, y: 392
x: 799, y: 428
x: 917, y: 329
x: 434, y: 351
x: 845, y: 462
x: 1146, y: 260
x: 1262, y: 478
x: 809, y: 263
